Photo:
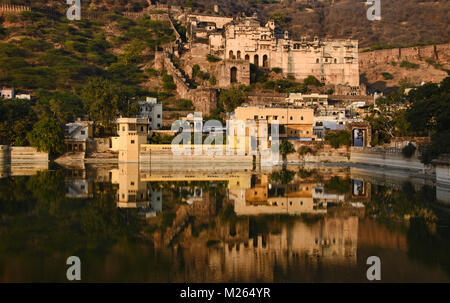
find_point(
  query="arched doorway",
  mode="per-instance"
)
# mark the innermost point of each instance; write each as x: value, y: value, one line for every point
x: 247, y: 57
x: 265, y: 61
x: 256, y: 60
x: 231, y: 54
x: 233, y: 75
x: 239, y: 55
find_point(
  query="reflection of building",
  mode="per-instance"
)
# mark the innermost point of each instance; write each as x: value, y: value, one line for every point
x: 264, y: 197
x: 135, y: 193
x: 300, y: 246
x: 78, y: 185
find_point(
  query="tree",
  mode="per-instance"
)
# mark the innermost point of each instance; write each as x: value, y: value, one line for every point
x: 103, y: 100
x: 47, y: 136
x: 232, y: 98
x: 429, y: 114
x: 338, y: 138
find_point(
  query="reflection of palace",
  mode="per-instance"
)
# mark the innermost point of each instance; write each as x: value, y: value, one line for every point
x: 297, y: 197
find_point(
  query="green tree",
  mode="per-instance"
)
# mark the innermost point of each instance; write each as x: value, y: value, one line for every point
x: 232, y: 98
x: 338, y: 138
x: 103, y: 100
x: 47, y: 136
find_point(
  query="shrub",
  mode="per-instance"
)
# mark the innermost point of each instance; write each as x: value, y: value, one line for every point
x: 409, y: 65
x: 212, y: 58
x: 338, y: 138
x: 311, y: 80
x: 387, y: 76
x: 213, y: 80
x: 409, y: 150
x: 277, y: 70
x: 304, y: 150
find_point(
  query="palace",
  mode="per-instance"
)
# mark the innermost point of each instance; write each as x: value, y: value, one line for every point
x: 331, y: 61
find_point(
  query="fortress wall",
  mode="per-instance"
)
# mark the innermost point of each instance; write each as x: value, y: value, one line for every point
x: 9, y: 8
x: 440, y: 52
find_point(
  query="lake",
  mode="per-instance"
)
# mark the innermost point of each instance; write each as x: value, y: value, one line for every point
x: 313, y: 223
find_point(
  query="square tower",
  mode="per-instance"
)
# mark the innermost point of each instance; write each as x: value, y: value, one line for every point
x: 132, y: 133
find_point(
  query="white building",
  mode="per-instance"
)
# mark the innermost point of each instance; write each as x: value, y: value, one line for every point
x: 77, y: 134
x: 8, y: 93
x: 151, y: 109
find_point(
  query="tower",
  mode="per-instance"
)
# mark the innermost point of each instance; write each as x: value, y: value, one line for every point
x: 132, y: 133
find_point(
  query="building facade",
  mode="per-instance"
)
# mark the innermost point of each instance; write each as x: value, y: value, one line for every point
x: 331, y: 61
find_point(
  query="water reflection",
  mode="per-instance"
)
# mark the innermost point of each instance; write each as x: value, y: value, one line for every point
x: 198, y: 224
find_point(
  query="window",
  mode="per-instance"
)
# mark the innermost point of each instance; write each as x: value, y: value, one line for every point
x: 132, y: 141
x: 132, y: 183
x: 291, y: 118
x: 123, y: 128
x: 83, y: 132
x: 301, y: 118
x: 159, y: 116
x: 142, y: 128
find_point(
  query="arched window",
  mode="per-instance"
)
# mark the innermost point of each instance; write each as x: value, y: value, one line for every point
x: 239, y: 55
x: 247, y: 58
x: 256, y: 60
x: 231, y: 54
x: 317, y: 60
x: 335, y: 60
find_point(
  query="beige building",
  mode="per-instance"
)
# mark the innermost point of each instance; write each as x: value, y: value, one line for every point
x: 331, y: 61
x: 294, y: 123
x: 132, y: 133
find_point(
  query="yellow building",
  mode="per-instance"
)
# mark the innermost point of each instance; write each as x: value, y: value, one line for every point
x: 132, y: 133
x: 295, y: 123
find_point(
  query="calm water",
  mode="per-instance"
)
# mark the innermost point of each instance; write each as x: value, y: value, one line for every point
x: 216, y: 224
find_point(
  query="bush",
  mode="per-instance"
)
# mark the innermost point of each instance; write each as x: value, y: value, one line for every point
x: 304, y: 150
x: 338, y: 138
x: 311, y: 80
x: 409, y: 150
x: 212, y: 58
x: 387, y: 76
x: 277, y: 70
x: 409, y: 65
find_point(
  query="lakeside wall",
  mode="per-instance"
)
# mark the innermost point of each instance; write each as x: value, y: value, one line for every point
x: 376, y: 156
x: 21, y: 155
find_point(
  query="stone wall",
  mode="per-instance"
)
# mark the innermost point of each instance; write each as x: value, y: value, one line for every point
x: 437, y: 52
x: 386, y: 157
x: 204, y: 99
x: 27, y: 155
x: 266, y: 98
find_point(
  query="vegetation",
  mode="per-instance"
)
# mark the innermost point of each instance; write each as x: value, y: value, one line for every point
x: 409, y: 150
x: 338, y: 185
x: 230, y: 99
x: 409, y: 65
x: 72, y: 70
x: 212, y: 58
x: 311, y: 80
x: 387, y: 76
x: 429, y: 115
x: 338, y: 138
x: 47, y: 136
